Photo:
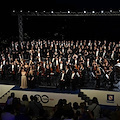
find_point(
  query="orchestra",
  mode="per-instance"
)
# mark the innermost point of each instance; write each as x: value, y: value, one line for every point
x: 60, y: 63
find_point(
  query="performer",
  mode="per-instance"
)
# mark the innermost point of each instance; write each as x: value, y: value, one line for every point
x: 23, y: 79
x: 62, y: 80
x: 73, y: 80
x: 47, y: 72
x: 31, y: 82
x: 98, y: 74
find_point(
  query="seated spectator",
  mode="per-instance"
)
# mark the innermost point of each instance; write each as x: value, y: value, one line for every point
x: 25, y: 102
x: 22, y: 114
x: 95, y: 108
x: 10, y: 99
x: 8, y: 113
x: 36, y: 107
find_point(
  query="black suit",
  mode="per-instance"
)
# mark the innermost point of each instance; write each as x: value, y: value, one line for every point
x: 67, y: 81
x: 62, y: 81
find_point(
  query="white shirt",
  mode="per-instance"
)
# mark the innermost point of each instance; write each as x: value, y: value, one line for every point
x: 38, y: 67
x: 39, y: 54
x: 68, y: 60
x: 61, y: 66
x: 88, y: 63
x: 60, y: 60
x: 112, y: 56
x: 12, y: 67
x: 4, y: 62
x: 1, y: 67
x: 63, y: 50
x: 53, y: 59
x: 62, y: 76
x: 44, y: 65
x: 56, y: 62
x: 75, y: 62
x: 78, y: 74
x: 72, y: 75
x: 51, y: 65
x: 104, y: 54
x: 39, y: 59
x: 67, y: 71
x: 97, y: 53
x: 55, y: 50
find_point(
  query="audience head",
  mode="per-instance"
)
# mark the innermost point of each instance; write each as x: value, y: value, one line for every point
x: 25, y: 97
x: 95, y: 100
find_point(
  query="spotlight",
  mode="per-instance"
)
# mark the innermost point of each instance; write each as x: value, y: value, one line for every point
x: 84, y: 12
x: 68, y: 11
x: 110, y: 10
x: 119, y: 10
x: 102, y: 11
x: 36, y: 11
x: 28, y: 11
x: 52, y: 11
x: 20, y: 10
x: 93, y: 11
x: 13, y: 10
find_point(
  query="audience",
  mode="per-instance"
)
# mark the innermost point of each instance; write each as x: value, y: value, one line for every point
x: 33, y: 110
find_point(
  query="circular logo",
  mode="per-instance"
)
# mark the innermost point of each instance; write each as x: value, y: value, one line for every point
x: 43, y: 98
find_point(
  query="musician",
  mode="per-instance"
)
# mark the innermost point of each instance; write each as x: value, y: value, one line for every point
x: 97, y: 75
x: 1, y: 70
x: 73, y: 80
x: 68, y: 74
x: 62, y: 80
x: 47, y: 73
x: 31, y: 80
x: 61, y: 65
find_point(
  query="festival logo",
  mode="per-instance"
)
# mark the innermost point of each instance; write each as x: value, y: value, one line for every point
x: 43, y: 98
x: 110, y: 98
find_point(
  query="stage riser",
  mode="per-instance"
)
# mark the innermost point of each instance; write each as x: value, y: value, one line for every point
x: 5, y: 88
x: 109, y: 98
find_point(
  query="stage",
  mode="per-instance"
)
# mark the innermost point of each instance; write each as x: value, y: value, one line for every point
x: 50, y: 96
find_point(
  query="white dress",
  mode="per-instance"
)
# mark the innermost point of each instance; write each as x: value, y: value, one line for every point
x: 23, y: 80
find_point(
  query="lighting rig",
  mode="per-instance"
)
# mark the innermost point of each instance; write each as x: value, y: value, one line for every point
x: 22, y: 13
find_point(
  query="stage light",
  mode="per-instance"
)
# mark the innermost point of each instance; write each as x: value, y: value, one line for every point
x: 84, y: 12
x: 119, y: 10
x: 13, y: 10
x: 36, y: 11
x: 68, y: 11
x: 102, y: 11
x: 110, y: 10
x: 93, y: 11
x: 52, y: 11
x: 20, y: 10
x: 28, y: 11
